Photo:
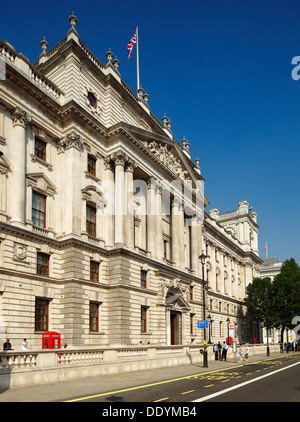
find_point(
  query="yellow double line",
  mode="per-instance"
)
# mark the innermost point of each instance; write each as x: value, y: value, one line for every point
x: 160, y: 383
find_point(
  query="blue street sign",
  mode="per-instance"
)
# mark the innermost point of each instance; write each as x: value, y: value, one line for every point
x: 202, y: 324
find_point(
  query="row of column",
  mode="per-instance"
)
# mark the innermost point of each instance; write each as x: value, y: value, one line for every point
x: 144, y: 209
x: 227, y: 278
x: 119, y: 226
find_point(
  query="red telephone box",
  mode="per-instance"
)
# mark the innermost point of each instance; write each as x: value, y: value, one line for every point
x: 51, y: 340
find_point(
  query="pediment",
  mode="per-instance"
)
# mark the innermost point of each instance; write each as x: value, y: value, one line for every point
x: 41, y: 183
x: 177, y: 301
x: 4, y: 165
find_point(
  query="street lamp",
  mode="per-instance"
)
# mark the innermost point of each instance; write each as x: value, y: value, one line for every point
x: 228, y: 322
x: 202, y: 260
x: 209, y: 328
x: 268, y: 348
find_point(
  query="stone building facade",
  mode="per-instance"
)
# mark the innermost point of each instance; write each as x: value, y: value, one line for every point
x: 102, y: 216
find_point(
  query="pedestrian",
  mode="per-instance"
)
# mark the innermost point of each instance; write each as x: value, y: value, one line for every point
x: 25, y: 345
x: 224, y: 351
x: 7, y: 345
x: 216, y: 351
x: 247, y: 352
x: 140, y: 343
x: 241, y: 352
x: 281, y: 347
x: 220, y: 350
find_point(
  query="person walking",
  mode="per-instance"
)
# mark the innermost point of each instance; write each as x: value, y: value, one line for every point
x: 224, y: 351
x: 241, y: 352
x: 216, y: 350
x: 220, y: 350
x: 247, y: 352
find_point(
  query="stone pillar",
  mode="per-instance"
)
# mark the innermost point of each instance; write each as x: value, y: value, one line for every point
x: 159, y: 228
x: 20, y: 120
x: 71, y: 146
x: 109, y: 202
x: 151, y: 218
x: 119, y: 198
x: 195, y: 252
x: 177, y: 233
x: 3, y: 195
x: 213, y: 268
x: 129, y: 212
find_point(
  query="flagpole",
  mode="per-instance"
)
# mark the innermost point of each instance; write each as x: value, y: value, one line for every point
x: 137, y: 58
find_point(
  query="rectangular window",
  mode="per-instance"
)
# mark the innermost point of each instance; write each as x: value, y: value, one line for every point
x: 143, y: 279
x: 166, y: 247
x: 91, y: 165
x: 41, y: 314
x: 191, y: 323
x: 94, y: 316
x: 40, y: 148
x: 94, y: 271
x: 191, y: 292
x: 91, y: 220
x: 42, y: 267
x: 38, y: 210
x: 143, y: 319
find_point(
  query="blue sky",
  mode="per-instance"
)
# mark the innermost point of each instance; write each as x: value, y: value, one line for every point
x: 221, y: 71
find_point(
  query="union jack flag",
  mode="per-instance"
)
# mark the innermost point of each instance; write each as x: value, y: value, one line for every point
x: 130, y: 45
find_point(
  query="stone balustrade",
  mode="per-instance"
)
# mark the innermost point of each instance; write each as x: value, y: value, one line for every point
x: 21, y: 368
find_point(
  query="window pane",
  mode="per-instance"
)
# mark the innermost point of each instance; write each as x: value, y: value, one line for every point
x: 91, y: 220
x: 143, y: 319
x: 144, y: 279
x: 40, y: 148
x: 92, y: 165
x: 94, y: 271
x: 38, y: 209
x: 41, y: 315
x: 42, y: 264
x: 93, y: 317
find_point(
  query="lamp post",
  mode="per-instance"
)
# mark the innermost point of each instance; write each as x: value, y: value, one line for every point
x: 202, y: 259
x: 268, y: 348
x: 209, y: 328
x: 228, y: 322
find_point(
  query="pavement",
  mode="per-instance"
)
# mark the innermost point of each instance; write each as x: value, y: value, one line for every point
x: 66, y: 390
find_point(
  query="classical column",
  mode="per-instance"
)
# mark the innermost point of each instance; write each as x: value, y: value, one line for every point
x: 129, y: 212
x: 3, y: 195
x: 109, y: 198
x: 195, y: 252
x: 159, y: 227
x: 151, y: 211
x: 20, y: 120
x: 176, y: 232
x: 119, y: 197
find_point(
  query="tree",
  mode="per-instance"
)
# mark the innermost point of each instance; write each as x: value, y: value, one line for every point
x: 286, y: 294
x: 258, y: 300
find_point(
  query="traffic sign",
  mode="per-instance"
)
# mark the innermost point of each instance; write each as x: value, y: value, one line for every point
x: 202, y: 324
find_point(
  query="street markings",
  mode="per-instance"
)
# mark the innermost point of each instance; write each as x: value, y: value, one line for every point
x: 223, y: 375
x: 227, y: 390
x: 156, y: 401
